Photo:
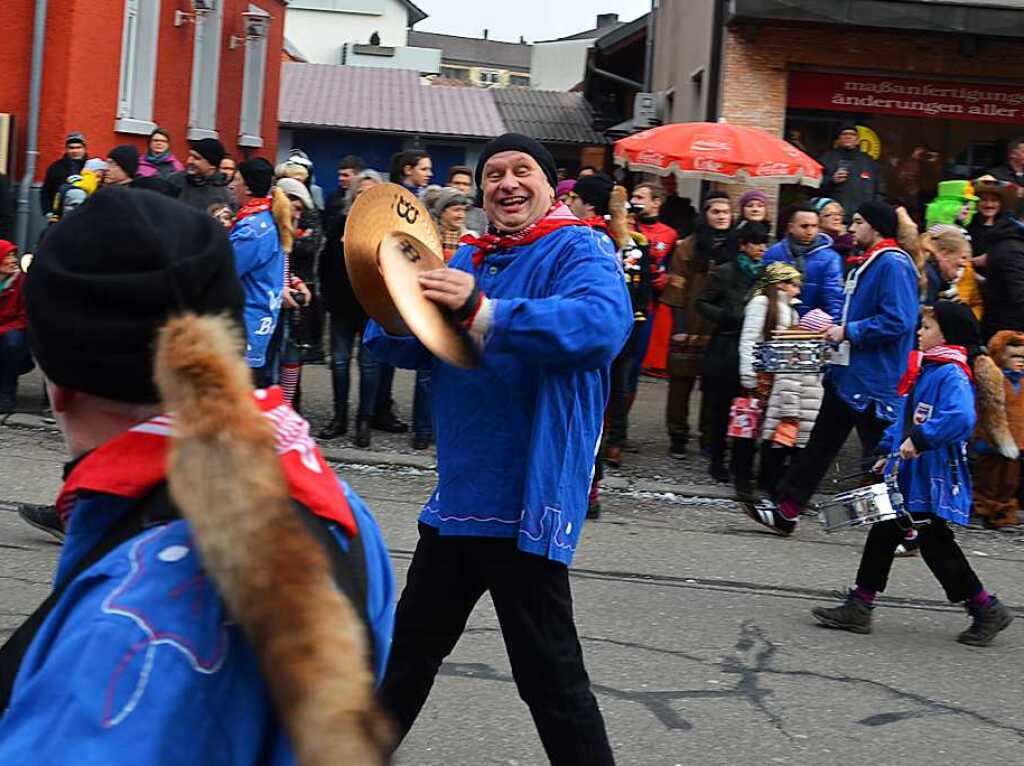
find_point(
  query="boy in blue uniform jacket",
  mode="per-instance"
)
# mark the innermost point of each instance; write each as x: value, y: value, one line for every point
x: 930, y: 441
x: 544, y: 298
x: 146, y: 652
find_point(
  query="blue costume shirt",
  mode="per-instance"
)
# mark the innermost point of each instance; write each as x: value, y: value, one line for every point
x: 517, y: 437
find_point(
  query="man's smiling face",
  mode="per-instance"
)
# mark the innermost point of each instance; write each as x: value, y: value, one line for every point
x: 516, y: 192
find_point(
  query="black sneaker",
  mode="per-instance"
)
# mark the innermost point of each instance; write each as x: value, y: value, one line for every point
x: 677, y: 449
x: 767, y: 514
x: 43, y: 518
x: 852, y: 615
x: 987, y: 621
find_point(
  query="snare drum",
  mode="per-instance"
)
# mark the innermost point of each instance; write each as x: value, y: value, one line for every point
x: 860, y: 507
x: 791, y: 356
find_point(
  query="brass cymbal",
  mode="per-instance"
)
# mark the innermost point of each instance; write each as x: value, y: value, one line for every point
x: 379, y: 211
x: 403, y: 257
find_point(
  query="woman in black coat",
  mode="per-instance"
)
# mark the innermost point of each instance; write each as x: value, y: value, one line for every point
x: 723, y: 302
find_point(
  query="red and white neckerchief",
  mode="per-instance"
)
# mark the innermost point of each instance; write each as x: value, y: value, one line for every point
x: 937, y: 355
x: 558, y: 216
x: 596, y: 222
x: 133, y: 463
x: 252, y: 207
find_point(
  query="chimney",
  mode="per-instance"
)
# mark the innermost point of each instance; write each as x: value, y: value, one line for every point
x: 486, y: 33
x: 606, y: 19
x: 522, y: 40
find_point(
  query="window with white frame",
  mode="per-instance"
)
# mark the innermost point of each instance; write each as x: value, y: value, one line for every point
x: 138, y: 67
x: 257, y: 24
x: 202, y: 111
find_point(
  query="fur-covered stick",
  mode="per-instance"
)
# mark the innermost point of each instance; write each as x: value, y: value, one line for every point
x: 991, y: 399
x: 224, y: 476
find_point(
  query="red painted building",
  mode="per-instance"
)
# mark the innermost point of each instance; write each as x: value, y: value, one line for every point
x: 115, y: 69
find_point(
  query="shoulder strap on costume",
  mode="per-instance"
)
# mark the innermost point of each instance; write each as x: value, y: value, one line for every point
x: 152, y: 510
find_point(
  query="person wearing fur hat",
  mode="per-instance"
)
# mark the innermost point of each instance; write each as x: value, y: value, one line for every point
x: 201, y: 183
x: 693, y: 259
x: 872, y: 338
x: 849, y: 175
x: 261, y: 265
x: 544, y: 302
x: 221, y: 595
x: 57, y: 174
x: 927, y: 447
x: 999, y: 436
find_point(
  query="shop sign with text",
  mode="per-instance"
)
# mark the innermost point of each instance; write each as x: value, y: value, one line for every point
x: 905, y: 97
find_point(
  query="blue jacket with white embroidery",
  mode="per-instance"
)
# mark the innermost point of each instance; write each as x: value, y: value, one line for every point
x: 260, y: 263
x: 881, y: 319
x: 938, y: 416
x: 517, y: 436
x: 140, y: 662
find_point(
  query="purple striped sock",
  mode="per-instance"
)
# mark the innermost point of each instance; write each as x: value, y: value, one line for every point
x: 981, y: 598
x: 864, y: 595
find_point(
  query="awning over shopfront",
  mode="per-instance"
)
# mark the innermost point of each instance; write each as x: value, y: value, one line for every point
x: 991, y: 18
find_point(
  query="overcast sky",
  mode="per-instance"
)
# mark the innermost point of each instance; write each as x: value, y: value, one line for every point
x: 533, y: 19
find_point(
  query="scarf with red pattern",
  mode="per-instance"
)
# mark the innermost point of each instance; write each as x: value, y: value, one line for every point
x: 133, y: 463
x: 558, y: 216
x: 252, y: 207
x: 936, y: 355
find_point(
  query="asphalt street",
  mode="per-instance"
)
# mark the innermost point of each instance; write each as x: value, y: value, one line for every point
x: 694, y: 623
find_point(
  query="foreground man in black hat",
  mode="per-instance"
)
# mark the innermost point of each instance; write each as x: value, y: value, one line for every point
x: 221, y: 596
x: 544, y: 298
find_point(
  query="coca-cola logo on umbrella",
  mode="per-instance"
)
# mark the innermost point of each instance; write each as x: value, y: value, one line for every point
x: 706, y: 163
x: 772, y: 169
x: 649, y: 157
x: 710, y: 145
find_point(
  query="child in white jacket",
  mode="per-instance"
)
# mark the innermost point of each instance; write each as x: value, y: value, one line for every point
x: 795, y: 398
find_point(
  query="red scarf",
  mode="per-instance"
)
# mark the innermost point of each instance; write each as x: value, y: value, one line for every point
x: 558, y: 216
x: 252, y: 207
x: 937, y: 355
x: 131, y: 464
x: 596, y: 222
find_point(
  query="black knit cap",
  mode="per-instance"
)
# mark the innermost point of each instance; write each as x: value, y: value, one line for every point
x: 108, y: 277
x: 127, y: 158
x: 258, y: 175
x: 516, y: 142
x: 846, y: 125
x: 881, y: 216
x: 210, y: 149
x: 595, y: 190
x: 958, y: 325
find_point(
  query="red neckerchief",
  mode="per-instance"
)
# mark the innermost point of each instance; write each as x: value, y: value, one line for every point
x: 131, y: 464
x: 252, y: 207
x: 596, y: 222
x: 937, y: 355
x: 558, y: 216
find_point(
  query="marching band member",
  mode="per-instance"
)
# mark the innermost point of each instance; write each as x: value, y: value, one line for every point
x: 546, y: 304
x: 929, y: 439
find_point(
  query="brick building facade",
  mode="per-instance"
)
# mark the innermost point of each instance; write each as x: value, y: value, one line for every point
x: 115, y: 69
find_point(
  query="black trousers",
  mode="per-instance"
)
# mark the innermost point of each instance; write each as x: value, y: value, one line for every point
x: 531, y: 595
x: 939, y: 550
x: 835, y: 421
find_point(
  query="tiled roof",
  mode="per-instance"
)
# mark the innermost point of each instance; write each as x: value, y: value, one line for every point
x: 548, y: 115
x: 391, y: 100
x: 474, y: 51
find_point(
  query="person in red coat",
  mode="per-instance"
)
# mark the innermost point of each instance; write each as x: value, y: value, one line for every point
x: 14, y: 356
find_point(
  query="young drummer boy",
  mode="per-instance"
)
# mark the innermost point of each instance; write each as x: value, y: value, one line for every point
x: 930, y: 440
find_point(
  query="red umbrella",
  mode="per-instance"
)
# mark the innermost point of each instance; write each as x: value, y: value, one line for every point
x: 717, y: 151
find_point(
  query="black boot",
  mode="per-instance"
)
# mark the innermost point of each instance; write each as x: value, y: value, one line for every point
x: 334, y: 429
x: 852, y: 615
x: 388, y: 421
x: 986, y: 622
x: 362, y: 433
